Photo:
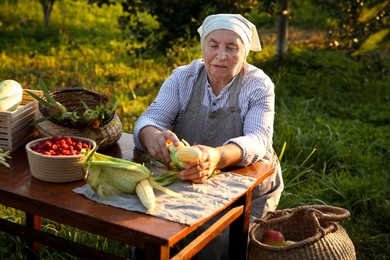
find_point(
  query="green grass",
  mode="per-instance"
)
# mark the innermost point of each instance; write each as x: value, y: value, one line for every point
x: 332, y: 111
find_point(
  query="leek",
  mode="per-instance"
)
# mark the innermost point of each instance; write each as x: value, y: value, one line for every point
x: 54, y: 109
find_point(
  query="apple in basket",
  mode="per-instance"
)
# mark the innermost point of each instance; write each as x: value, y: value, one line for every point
x: 273, y: 238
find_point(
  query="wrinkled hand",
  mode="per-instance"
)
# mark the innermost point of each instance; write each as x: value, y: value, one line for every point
x: 199, y: 171
x: 156, y: 144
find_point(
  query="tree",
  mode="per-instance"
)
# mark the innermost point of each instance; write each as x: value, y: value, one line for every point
x: 361, y: 25
x: 378, y: 40
x: 177, y: 21
x: 282, y: 29
x: 47, y: 6
x: 279, y: 8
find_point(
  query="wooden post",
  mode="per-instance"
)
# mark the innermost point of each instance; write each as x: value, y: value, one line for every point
x: 35, y: 222
x: 282, y: 29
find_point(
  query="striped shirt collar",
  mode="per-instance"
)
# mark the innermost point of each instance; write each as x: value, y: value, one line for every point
x: 224, y: 89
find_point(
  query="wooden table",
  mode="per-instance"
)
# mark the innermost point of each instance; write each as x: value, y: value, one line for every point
x: 57, y: 202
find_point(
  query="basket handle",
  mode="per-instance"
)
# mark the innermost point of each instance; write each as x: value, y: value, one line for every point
x: 318, y: 212
x: 328, y: 213
x: 324, y: 212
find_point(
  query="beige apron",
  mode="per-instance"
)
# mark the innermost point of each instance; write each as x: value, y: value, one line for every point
x: 198, y: 125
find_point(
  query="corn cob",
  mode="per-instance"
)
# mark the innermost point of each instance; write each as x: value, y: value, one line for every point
x: 188, y: 154
x: 182, y: 154
x: 110, y: 176
x: 145, y: 193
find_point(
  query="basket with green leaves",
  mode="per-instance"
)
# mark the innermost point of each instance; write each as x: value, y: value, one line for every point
x: 78, y: 112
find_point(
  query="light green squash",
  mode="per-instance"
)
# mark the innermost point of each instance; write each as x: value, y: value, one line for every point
x: 11, y: 94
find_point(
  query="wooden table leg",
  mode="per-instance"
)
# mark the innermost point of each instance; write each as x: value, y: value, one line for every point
x: 35, y: 222
x: 239, y: 230
x: 209, y: 234
x: 155, y: 251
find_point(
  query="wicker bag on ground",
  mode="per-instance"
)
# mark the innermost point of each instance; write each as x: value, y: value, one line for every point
x: 72, y: 98
x: 314, y: 228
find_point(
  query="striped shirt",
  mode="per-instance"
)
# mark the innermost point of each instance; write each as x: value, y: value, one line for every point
x: 256, y: 101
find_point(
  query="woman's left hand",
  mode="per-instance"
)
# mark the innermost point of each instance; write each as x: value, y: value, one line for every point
x: 200, y: 170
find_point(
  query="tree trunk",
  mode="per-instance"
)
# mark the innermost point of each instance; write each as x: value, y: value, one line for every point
x: 47, y: 6
x: 282, y: 29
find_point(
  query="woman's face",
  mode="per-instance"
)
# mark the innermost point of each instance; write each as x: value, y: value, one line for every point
x: 224, y: 55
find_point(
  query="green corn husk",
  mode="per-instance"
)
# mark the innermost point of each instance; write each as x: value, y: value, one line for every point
x: 3, y: 158
x: 107, y: 181
x: 175, y: 163
x: 178, y: 165
x: 110, y: 176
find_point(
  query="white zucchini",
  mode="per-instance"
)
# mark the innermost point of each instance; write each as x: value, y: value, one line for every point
x: 11, y: 94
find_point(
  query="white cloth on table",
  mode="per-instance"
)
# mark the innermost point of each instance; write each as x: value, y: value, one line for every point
x: 198, y: 201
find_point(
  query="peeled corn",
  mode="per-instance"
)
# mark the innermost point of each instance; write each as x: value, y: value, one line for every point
x: 182, y: 154
x: 188, y: 154
x: 110, y: 176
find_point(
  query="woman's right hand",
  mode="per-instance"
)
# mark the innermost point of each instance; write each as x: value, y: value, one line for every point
x: 155, y: 142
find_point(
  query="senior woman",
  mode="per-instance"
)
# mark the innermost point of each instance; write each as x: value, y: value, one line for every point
x: 221, y: 104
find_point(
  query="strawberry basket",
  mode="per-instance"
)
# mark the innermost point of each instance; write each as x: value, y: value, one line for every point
x: 315, y: 230
x: 78, y: 100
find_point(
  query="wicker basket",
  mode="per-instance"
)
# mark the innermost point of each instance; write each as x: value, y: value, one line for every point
x: 315, y: 229
x: 110, y: 131
x: 57, y: 169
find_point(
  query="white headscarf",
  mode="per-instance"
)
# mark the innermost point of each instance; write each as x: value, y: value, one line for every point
x: 234, y: 22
